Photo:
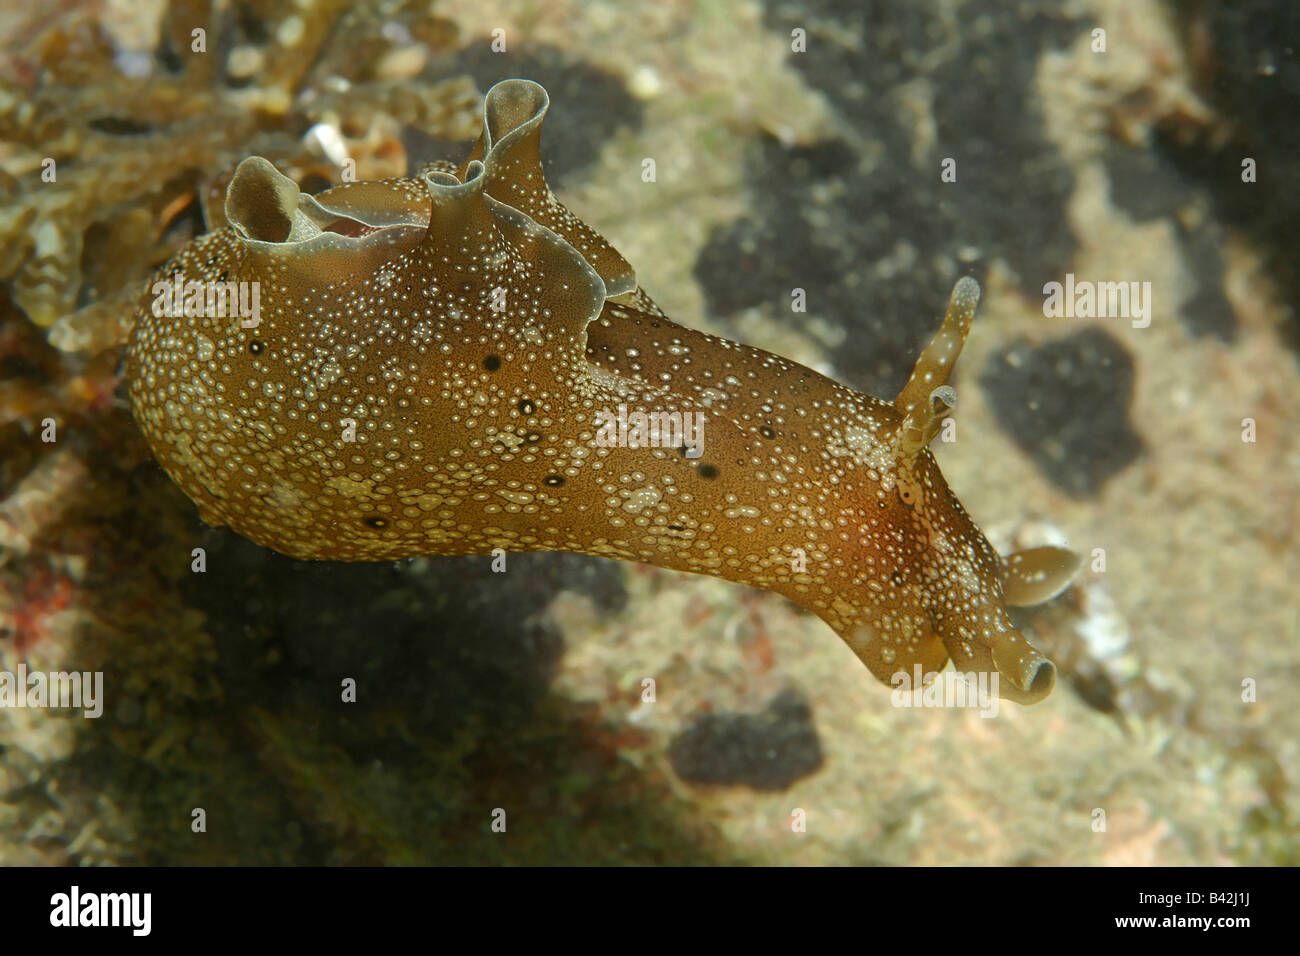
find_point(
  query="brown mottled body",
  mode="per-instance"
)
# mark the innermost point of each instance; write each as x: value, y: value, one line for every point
x: 426, y: 375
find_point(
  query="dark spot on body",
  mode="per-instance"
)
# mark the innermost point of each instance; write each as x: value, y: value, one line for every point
x: 492, y: 363
x: 374, y: 521
x: 526, y: 406
x: 554, y: 481
x: 708, y: 472
x: 766, y: 432
x: 257, y: 347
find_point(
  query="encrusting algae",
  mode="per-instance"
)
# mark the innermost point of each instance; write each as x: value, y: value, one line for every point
x: 428, y: 370
x: 108, y: 162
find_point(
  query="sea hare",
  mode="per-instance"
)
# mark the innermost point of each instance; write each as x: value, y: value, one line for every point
x: 454, y: 363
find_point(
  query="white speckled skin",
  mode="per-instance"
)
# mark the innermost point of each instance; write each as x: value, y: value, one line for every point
x: 472, y: 328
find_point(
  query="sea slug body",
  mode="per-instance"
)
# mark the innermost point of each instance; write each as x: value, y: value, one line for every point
x: 434, y: 363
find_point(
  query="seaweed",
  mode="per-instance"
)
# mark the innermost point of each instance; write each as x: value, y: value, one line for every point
x: 111, y: 156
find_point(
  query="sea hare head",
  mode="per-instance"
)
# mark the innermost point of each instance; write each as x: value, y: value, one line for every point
x: 939, y: 587
x: 941, y: 601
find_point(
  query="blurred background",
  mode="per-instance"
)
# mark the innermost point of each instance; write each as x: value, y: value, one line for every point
x: 796, y: 145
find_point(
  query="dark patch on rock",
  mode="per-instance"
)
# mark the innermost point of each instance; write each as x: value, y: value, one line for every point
x: 588, y: 104
x: 769, y: 750
x: 1246, y: 60
x: 1207, y: 310
x: 1148, y: 186
x: 863, y: 223
x: 441, y: 641
x: 740, y: 267
x: 1144, y: 184
x: 1097, y: 689
x: 1066, y: 403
